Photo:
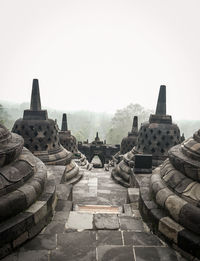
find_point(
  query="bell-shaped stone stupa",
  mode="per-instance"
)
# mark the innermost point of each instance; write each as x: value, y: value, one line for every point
x: 67, y: 140
x: 26, y: 203
x: 40, y: 133
x: 155, y: 137
x: 130, y: 141
x: 170, y: 202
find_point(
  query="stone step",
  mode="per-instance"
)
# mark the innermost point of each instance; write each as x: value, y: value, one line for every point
x: 98, y: 209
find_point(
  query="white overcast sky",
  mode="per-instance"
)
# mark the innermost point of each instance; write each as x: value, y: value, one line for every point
x: 101, y: 55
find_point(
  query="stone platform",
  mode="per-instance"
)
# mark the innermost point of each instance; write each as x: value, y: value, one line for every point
x: 96, y: 219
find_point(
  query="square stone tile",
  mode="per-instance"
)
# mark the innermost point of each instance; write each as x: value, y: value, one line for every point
x: 106, y: 237
x: 155, y: 254
x: 40, y: 242
x: 141, y: 239
x: 79, y: 221
x: 75, y: 246
x: 106, y: 221
x: 54, y: 227
x: 129, y: 223
x: 115, y: 253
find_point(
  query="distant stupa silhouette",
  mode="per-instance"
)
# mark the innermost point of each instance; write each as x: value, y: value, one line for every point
x: 130, y: 141
x: 67, y: 140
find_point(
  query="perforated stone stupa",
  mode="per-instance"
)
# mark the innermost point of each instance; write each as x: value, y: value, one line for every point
x: 25, y: 204
x: 40, y: 133
x: 170, y: 204
x: 130, y: 141
x: 155, y: 137
x: 67, y: 140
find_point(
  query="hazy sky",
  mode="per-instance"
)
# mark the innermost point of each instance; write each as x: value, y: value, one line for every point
x: 101, y: 55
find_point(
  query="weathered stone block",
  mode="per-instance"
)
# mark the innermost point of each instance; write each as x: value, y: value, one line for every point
x: 133, y: 194
x: 106, y: 221
x: 79, y: 221
x: 169, y: 229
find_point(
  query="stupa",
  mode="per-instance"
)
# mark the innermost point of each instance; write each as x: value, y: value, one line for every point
x: 27, y: 195
x: 170, y: 202
x: 130, y: 141
x: 40, y: 133
x: 41, y: 136
x: 155, y: 137
x: 68, y: 141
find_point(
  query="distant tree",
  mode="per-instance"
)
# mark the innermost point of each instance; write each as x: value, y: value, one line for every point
x: 79, y: 136
x: 4, y: 117
x: 121, y: 123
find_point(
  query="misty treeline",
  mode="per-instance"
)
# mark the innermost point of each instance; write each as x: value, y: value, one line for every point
x: 85, y: 124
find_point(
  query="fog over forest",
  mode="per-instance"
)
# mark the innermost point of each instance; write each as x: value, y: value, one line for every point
x: 85, y: 124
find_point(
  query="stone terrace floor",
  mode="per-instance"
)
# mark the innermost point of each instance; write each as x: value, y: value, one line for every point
x: 94, y: 222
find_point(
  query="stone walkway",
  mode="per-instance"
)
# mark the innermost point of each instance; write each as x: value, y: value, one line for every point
x: 94, y: 222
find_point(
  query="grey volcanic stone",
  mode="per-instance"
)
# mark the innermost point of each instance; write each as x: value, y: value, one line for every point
x: 79, y: 221
x: 133, y: 194
x: 63, y: 205
x: 128, y: 223
x: 75, y: 246
x: 115, y: 253
x: 155, y: 254
x: 55, y: 227
x: 106, y: 221
x: 33, y: 255
x: 63, y: 191
x: 105, y: 237
x: 41, y: 242
x: 141, y: 239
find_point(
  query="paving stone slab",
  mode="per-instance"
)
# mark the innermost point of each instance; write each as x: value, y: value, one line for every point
x: 155, y: 254
x: 115, y: 253
x: 54, y: 227
x: 79, y: 221
x: 41, y: 242
x: 106, y: 221
x: 75, y: 246
x: 141, y: 239
x: 34, y: 255
x: 128, y: 223
x: 107, y: 237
